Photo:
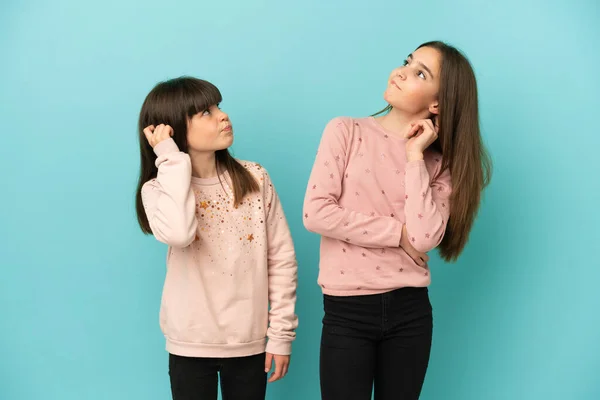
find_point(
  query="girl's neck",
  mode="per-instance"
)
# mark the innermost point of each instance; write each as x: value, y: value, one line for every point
x: 203, y: 164
x: 397, y: 121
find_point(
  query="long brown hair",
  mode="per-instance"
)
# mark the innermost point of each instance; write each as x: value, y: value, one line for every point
x: 175, y: 102
x: 459, y: 141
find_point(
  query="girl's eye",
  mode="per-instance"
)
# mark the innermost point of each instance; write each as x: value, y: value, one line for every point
x: 207, y: 112
x: 405, y: 63
x: 421, y: 75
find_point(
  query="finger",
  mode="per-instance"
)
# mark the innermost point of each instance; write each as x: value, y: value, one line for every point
x: 268, y: 362
x: 286, y: 367
x: 436, y: 124
x: 275, y: 376
x: 432, y: 128
x: 418, y: 260
x: 415, y: 127
x: 162, y: 134
x: 168, y: 132
x: 154, y: 135
x: 148, y: 133
x: 415, y: 257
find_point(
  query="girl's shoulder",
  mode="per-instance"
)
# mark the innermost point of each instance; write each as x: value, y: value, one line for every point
x: 349, y: 126
x: 345, y: 121
x: 256, y: 170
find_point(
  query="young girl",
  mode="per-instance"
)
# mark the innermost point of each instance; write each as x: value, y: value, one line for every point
x: 230, y: 252
x: 382, y: 193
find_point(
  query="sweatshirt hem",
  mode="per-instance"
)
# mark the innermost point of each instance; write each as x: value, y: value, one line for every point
x: 215, y: 350
x: 363, y: 292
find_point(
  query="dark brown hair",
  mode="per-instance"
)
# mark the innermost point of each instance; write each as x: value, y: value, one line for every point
x: 459, y: 141
x: 175, y: 102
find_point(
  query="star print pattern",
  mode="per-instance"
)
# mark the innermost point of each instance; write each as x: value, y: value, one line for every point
x: 366, y: 213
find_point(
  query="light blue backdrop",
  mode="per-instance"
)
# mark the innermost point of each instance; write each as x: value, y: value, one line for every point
x: 516, y: 318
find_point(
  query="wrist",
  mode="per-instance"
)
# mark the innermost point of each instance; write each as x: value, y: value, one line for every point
x: 414, y: 155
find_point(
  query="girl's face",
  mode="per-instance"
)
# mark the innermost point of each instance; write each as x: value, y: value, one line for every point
x: 209, y: 131
x: 414, y: 86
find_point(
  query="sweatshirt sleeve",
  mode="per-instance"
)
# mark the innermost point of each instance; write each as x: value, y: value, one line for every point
x: 427, y: 206
x: 283, y: 275
x: 322, y: 212
x: 168, y: 200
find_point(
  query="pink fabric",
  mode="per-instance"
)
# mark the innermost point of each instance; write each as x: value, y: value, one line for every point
x: 225, y: 265
x: 360, y: 193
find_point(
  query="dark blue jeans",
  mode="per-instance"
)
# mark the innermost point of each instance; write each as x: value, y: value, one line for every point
x: 381, y: 341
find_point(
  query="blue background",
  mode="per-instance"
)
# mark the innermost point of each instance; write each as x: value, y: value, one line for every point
x: 516, y: 318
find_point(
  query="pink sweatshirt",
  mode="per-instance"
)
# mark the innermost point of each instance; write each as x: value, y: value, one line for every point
x: 360, y: 193
x: 225, y: 265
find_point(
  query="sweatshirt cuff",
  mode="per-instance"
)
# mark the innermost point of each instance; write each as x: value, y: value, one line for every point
x: 165, y: 147
x: 396, y: 235
x: 415, y: 164
x: 279, y: 347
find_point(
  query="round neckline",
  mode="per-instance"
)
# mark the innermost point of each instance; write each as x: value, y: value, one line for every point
x: 215, y: 180
x: 386, y: 132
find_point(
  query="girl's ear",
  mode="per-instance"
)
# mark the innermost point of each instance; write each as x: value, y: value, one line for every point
x: 434, y: 108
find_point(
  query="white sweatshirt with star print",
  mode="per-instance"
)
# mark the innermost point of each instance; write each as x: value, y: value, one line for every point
x: 360, y: 193
x: 230, y: 286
